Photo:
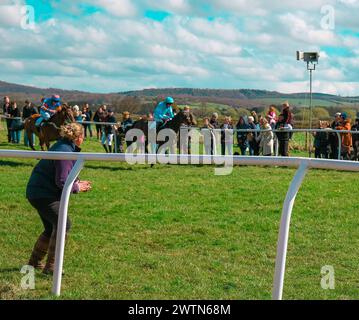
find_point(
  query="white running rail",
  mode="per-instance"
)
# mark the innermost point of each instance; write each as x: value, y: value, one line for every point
x: 304, y: 164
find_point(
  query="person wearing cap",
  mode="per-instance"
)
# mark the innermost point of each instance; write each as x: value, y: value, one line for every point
x: 107, y: 136
x: 333, y: 137
x: 346, y: 137
x: 48, y: 109
x: 164, y: 112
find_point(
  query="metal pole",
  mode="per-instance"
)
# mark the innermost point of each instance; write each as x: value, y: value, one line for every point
x: 310, y: 110
x: 114, y: 139
x: 61, y: 226
x: 284, y: 231
x: 339, y: 146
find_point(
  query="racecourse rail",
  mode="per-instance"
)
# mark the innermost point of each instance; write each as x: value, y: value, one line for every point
x: 303, y: 165
x: 337, y: 132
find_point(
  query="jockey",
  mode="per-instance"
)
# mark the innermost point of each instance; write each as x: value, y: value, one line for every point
x: 48, y: 109
x: 164, y: 112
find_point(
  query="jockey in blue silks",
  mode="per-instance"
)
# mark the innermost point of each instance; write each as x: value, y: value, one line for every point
x: 48, y: 109
x: 164, y: 112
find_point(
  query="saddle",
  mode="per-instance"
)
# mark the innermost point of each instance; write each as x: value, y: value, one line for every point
x: 35, y: 116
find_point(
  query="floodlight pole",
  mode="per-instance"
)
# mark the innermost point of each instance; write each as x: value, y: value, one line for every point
x: 310, y: 68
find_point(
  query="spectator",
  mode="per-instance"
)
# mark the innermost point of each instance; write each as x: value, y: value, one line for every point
x: 44, y: 192
x: 227, y: 136
x: 207, y: 129
x: 16, y: 124
x: 7, y: 113
x: 87, y: 116
x: 321, y: 141
x: 77, y: 113
x: 288, y: 118
x: 242, y: 136
x: 107, y: 136
x: 333, y: 137
x: 355, y: 127
x: 346, y: 137
x: 98, y: 117
x: 252, y: 137
x: 126, y: 125
x: 214, y: 121
x: 27, y: 111
x: 283, y: 137
x: 184, y: 144
x: 265, y: 138
x: 255, y: 118
x: 271, y: 116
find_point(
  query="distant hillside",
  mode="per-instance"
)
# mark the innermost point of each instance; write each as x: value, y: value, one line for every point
x: 21, y: 92
x: 238, y: 94
x: 207, y: 100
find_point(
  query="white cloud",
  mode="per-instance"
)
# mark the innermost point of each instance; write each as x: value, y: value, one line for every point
x: 249, y: 44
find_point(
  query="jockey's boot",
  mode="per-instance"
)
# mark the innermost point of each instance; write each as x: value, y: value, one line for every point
x: 105, y: 147
x: 39, y: 252
x: 110, y: 149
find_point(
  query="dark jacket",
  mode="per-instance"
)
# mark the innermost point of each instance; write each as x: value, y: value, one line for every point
x: 108, y: 128
x: 282, y: 136
x: 225, y: 127
x: 126, y: 125
x: 28, y: 111
x: 241, y: 135
x: 214, y: 124
x: 6, y: 108
x: 49, y: 176
x: 88, y: 115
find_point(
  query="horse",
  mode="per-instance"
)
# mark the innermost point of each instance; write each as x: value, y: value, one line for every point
x: 49, y: 131
x: 181, y: 118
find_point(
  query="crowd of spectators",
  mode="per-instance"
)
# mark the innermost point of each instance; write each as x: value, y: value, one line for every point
x: 255, y: 134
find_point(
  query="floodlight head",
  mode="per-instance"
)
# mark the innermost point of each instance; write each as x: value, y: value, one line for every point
x: 310, y: 57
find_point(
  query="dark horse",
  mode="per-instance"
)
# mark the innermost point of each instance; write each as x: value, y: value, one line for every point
x: 49, y: 131
x: 181, y: 118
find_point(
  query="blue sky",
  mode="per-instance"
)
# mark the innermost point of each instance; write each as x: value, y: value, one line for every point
x: 118, y: 45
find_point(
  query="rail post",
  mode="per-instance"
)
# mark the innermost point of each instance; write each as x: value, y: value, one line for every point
x: 61, y: 226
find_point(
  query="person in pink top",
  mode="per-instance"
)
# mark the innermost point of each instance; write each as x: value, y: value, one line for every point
x: 272, y: 116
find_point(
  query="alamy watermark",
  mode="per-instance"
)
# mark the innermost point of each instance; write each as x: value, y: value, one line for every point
x: 162, y: 147
x: 328, y: 278
x: 28, y: 280
x: 328, y: 20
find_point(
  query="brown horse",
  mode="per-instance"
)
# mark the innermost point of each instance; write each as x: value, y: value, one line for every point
x: 49, y: 131
x: 181, y: 118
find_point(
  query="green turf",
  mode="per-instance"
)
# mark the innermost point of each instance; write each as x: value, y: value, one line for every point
x: 180, y: 232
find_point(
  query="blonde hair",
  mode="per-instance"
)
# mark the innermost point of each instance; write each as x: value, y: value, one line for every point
x: 72, y: 131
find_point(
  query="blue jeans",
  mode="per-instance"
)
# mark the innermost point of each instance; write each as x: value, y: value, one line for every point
x: 26, y: 139
x: 14, y: 132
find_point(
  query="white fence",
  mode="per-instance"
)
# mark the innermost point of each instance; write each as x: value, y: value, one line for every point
x: 215, y: 132
x: 304, y: 164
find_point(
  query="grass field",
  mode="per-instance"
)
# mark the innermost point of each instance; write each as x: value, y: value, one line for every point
x: 180, y: 232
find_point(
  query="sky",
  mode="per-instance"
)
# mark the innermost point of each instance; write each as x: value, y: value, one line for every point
x: 120, y: 45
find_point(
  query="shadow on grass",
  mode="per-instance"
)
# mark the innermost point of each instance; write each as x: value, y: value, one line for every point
x: 10, y: 270
x: 137, y: 168
x: 14, y: 163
